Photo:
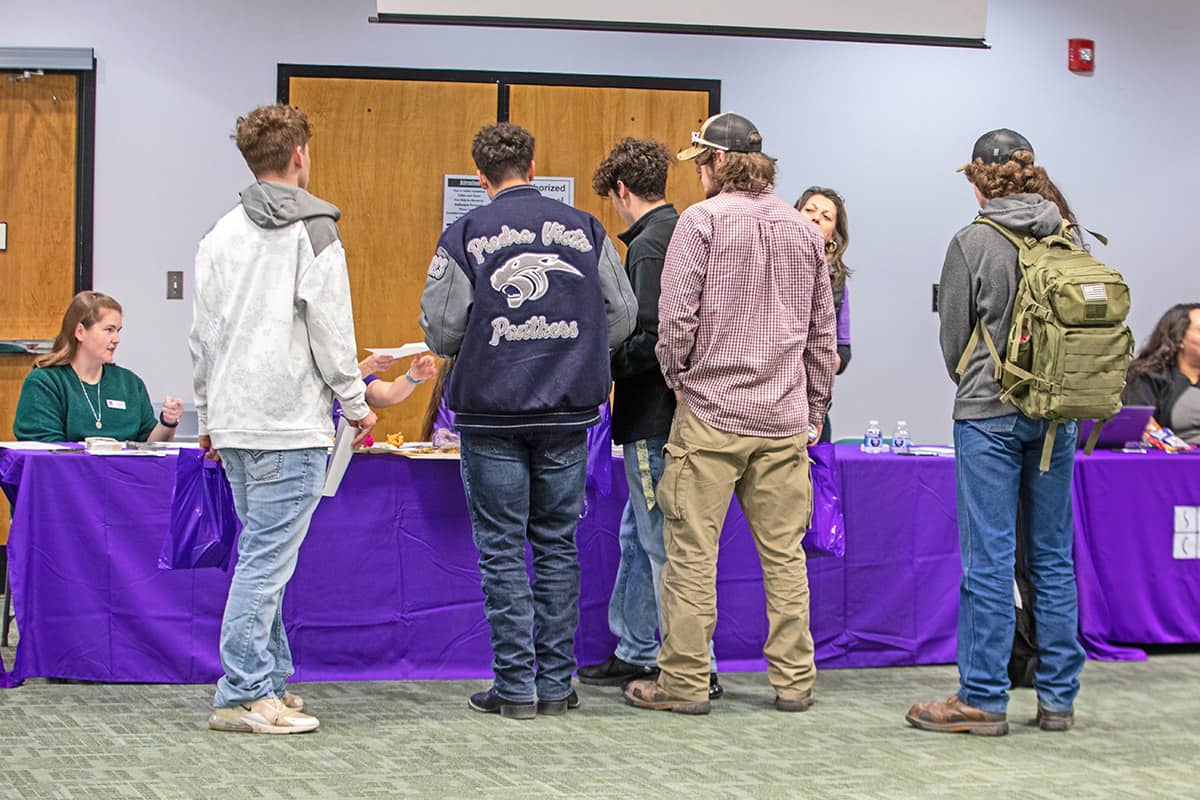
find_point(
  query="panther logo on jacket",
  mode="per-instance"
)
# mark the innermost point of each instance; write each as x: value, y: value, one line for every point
x: 525, y: 277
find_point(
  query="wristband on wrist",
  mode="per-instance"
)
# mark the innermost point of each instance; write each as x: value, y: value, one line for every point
x: 166, y: 424
x: 408, y: 377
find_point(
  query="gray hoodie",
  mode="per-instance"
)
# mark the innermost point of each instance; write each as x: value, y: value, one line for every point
x: 272, y: 336
x: 979, y: 279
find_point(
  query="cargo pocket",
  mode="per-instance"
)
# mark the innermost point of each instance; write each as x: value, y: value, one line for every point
x: 673, y: 481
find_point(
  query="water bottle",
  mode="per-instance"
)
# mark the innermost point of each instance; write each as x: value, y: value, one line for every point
x: 873, y: 438
x: 901, y: 440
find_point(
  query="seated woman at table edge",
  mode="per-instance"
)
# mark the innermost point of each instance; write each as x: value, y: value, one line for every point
x: 1166, y: 373
x: 76, y: 390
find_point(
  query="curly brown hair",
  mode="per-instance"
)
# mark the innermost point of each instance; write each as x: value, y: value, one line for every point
x: 1161, y: 351
x: 744, y: 172
x: 640, y: 164
x: 268, y: 135
x: 502, y: 151
x: 1018, y: 175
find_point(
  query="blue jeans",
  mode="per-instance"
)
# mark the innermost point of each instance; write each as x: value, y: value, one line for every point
x: 275, y: 493
x: 528, y: 486
x: 633, y: 607
x: 997, y: 473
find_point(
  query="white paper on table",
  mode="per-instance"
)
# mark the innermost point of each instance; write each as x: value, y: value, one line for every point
x: 343, y: 448
x: 404, y: 351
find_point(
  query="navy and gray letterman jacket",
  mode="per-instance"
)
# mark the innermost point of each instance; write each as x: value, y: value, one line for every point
x: 530, y: 295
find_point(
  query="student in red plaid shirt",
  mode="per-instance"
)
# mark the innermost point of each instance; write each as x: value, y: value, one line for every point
x: 746, y: 339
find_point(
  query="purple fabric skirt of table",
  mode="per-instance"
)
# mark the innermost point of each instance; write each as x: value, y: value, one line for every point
x: 387, y: 586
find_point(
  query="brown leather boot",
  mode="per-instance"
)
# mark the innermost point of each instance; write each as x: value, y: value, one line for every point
x: 955, y: 716
x: 1049, y: 720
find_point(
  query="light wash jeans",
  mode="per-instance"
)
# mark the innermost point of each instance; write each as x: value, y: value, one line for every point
x: 633, y: 609
x: 275, y: 493
x: 997, y: 469
x: 522, y: 487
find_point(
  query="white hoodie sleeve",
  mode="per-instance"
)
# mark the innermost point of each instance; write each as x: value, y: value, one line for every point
x: 323, y: 296
x: 200, y: 357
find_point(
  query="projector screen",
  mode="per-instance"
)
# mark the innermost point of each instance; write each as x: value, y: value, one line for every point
x: 959, y: 23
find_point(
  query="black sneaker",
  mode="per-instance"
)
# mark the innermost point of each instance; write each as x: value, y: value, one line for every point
x: 554, y: 708
x: 490, y: 702
x: 715, y: 690
x: 614, y: 672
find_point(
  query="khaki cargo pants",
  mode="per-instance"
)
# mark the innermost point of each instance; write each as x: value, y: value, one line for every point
x: 704, y: 467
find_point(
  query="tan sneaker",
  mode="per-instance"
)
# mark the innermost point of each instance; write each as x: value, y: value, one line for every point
x: 268, y: 715
x: 955, y: 716
x: 650, y: 694
x: 293, y: 701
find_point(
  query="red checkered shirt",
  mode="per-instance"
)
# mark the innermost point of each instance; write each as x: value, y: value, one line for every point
x: 746, y: 326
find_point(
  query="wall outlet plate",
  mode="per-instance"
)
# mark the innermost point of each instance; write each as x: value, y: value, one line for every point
x: 3, y: 236
x: 174, y: 284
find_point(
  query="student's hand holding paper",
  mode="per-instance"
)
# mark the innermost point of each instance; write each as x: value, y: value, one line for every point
x: 374, y: 364
x: 364, y: 426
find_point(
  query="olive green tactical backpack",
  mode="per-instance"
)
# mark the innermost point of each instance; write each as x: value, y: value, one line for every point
x: 1068, y: 345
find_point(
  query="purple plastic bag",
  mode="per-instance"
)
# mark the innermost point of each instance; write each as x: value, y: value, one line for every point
x: 204, y: 524
x: 827, y: 532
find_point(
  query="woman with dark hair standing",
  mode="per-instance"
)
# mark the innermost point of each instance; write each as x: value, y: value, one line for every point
x: 827, y: 210
x: 1166, y: 373
x: 76, y: 390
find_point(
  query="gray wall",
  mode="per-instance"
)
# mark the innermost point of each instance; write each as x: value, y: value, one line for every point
x: 886, y: 125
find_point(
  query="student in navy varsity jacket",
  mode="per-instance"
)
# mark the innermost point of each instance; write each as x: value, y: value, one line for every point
x: 529, y: 295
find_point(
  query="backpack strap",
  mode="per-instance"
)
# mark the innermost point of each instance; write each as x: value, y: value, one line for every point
x: 1019, y: 241
x: 1068, y: 227
x: 1048, y: 446
x: 1094, y: 436
x: 973, y: 342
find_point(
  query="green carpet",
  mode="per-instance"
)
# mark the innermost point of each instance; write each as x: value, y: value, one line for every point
x: 1135, y: 737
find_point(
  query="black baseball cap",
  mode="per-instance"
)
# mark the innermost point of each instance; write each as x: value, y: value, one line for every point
x: 729, y: 132
x: 997, y: 147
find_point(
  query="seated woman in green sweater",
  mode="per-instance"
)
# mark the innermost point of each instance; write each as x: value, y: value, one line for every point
x: 76, y: 390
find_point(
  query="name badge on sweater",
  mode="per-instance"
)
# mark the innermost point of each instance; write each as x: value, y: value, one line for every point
x: 119, y: 404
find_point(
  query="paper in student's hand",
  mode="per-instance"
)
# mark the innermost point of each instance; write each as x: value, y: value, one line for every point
x: 403, y: 351
x: 343, y: 448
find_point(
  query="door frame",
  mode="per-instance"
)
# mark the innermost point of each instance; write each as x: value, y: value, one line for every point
x: 80, y: 62
x: 503, y: 81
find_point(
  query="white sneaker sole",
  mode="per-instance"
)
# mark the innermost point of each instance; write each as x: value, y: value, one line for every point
x: 249, y: 723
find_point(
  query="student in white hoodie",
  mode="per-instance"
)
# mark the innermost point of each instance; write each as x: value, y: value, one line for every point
x: 272, y: 344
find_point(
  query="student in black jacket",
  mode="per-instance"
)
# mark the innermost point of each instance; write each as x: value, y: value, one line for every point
x: 634, y: 178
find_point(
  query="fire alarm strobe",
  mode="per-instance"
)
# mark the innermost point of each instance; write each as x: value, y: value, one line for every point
x: 1081, y: 55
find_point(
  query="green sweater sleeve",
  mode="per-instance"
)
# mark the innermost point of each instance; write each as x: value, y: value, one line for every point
x: 41, y: 410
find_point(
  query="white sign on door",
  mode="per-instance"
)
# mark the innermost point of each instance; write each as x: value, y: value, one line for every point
x: 462, y: 193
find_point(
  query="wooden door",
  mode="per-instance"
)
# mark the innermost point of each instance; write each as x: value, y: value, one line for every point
x: 379, y: 151
x: 37, y: 201
x: 575, y: 127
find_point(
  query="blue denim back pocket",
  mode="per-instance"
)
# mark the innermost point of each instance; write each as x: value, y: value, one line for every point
x: 264, y: 465
x: 1005, y: 424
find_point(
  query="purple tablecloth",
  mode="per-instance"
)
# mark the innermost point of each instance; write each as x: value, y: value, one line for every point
x: 1132, y: 587
x: 387, y: 584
